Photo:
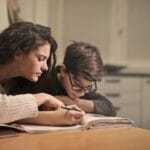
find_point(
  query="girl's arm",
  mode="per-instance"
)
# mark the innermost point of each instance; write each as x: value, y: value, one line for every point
x: 57, y: 117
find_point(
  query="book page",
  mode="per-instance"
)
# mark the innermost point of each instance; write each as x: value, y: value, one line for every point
x: 90, y: 121
x: 98, y: 121
x: 40, y: 128
x: 7, y: 132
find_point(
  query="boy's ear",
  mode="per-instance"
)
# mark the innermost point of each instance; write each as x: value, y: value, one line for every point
x: 62, y: 69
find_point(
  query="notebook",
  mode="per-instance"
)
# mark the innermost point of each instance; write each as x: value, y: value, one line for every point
x: 91, y: 121
x: 6, y: 132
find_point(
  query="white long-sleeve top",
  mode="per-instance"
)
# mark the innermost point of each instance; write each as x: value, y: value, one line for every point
x: 13, y: 108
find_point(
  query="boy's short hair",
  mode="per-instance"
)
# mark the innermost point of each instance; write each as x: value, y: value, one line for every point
x: 84, y: 59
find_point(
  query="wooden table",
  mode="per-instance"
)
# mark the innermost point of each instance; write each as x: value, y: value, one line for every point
x: 97, y: 139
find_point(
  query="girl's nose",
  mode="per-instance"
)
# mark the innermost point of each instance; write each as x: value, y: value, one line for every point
x: 45, y: 67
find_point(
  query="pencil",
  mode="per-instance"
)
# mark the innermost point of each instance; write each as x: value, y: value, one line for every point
x: 67, y: 108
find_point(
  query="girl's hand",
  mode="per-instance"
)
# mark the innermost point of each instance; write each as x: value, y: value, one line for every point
x: 68, y: 117
x: 48, y: 100
x: 57, y: 117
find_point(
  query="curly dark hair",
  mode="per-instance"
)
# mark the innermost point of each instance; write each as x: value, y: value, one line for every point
x: 24, y: 36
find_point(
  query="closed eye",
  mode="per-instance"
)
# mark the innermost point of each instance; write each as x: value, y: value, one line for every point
x: 42, y: 58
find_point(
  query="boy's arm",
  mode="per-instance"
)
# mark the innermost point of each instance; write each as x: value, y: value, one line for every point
x: 101, y: 104
x: 84, y: 104
x: 92, y: 102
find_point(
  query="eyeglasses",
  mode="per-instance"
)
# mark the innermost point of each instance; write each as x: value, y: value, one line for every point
x: 79, y: 88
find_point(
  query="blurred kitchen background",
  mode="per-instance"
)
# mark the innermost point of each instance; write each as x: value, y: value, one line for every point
x: 119, y: 28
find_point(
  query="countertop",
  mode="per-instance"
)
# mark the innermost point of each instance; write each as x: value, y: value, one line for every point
x: 132, y: 71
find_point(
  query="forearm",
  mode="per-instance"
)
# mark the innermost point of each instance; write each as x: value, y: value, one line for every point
x: 43, y: 118
x: 85, y: 105
x: 104, y: 107
x: 58, y: 117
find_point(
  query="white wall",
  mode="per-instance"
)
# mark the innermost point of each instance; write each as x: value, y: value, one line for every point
x: 139, y: 32
x: 121, y: 29
x: 89, y: 21
x: 27, y: 8
x: 3, y: 15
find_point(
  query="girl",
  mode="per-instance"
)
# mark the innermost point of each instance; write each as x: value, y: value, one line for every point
x: 27, y: 50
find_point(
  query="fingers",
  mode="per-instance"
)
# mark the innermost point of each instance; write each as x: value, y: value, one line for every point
x: 48, y: 100
x: 75, y: 117
x: 53, y: 102
x: 64, y: 117
x: 56, y: 104
x: 74, y: 107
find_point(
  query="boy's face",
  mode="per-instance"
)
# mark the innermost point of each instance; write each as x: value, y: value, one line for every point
x: 76, y: 86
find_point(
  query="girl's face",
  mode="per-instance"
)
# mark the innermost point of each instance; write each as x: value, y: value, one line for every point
x: 32, y: 65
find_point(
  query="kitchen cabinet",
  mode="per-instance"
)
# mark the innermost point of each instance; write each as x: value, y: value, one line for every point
x: 125, y: 94
x: 146, y: 102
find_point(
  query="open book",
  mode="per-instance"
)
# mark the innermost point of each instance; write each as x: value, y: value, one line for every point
x: 91, y: 121
x: 7, y: 132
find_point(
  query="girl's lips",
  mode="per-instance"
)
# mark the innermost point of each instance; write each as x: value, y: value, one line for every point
x: 38, y: 74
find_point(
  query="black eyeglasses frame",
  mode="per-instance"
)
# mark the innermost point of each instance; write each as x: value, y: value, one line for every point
x: 81, y: 88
